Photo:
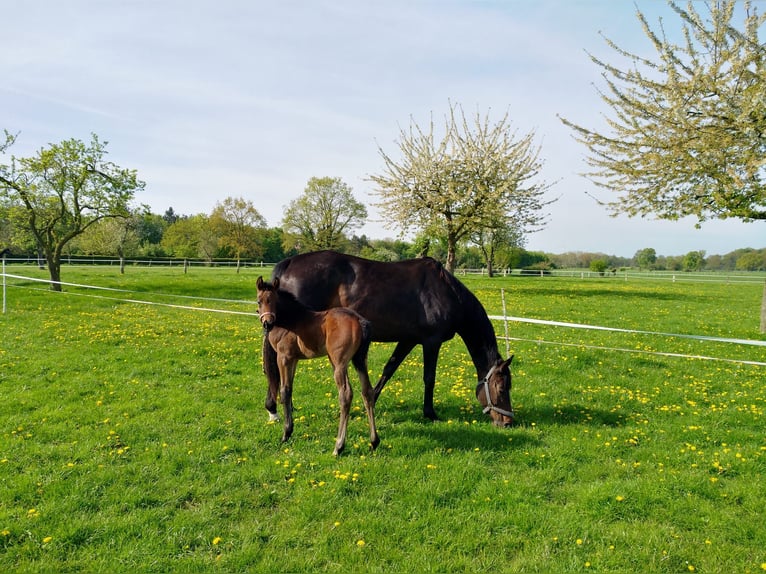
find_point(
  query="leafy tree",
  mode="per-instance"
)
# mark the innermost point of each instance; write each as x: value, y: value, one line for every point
x: 752, y: 261
x: 478, y: 175
x: 150, y: 227
x: 236, y: 221
x: 598, y: 266
x: 113, y: 236
x: 271, y: 244
x: 191, y: 237
x: 170, y: 216
x: 62, y: 191
x: 694, y: 261
x: 492, y: 240
x: 688, y: 131
x: 646, y: 258
x: 323, y: 216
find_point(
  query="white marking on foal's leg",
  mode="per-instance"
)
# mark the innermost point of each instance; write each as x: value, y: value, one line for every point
x: 273, y: 417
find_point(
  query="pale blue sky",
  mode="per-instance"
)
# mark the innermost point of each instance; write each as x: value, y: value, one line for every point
x: 209, y: 99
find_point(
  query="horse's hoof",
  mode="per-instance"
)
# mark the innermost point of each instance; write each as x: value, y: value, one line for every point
x: 273, y: 417
x: 431, y: 415
x: 374, y: 444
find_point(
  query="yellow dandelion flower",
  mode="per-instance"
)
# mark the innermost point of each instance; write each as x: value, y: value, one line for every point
x: 216, y: 541
x: 360, y: 543
x: 47, y: 539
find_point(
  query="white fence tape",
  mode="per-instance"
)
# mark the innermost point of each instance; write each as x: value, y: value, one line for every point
x: 493, y: 317
x: 142, y: 302
x: 634, y: 331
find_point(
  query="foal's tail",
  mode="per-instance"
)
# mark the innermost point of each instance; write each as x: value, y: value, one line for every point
x: 359, y: 359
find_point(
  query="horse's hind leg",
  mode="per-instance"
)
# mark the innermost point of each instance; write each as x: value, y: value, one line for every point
x: 345, y: 395
x: 430, y: 356
x: 400, y: 353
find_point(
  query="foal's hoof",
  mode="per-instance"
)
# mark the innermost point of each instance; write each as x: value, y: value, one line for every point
x: 273, y: 417
x: 374, y: 444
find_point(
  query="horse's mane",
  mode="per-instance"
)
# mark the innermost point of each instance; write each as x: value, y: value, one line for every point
x: 474, y: 326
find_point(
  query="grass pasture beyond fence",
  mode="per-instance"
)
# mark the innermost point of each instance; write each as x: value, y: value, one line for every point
x: 133, y: 436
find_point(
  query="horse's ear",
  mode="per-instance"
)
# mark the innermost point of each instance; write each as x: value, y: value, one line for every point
x: 259, y: 282
x: 275, y: 283
x: 507, y: 363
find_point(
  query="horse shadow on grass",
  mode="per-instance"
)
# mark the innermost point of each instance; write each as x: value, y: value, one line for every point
x: 460, y: 431
x: 454, y: 430
x: 572, y: 414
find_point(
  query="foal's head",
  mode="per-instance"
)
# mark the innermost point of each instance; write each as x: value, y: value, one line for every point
x: 267, y: 301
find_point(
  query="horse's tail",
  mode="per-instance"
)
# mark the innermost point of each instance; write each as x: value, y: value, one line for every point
x: 360, y: 357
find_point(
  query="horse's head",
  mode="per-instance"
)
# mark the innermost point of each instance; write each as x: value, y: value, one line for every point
x: 267, y: 302
x: 494, y: 393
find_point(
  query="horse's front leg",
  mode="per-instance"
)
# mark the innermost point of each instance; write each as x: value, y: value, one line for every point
x: 430, y: 356
x: 287, y: 376
x: 271, y: 370
x: 401, y: 351
x: 345, y: 395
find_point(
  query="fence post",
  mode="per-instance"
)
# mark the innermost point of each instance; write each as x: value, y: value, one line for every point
x: 505, y: 324
x: 763, y: 310
x: 4, y: 282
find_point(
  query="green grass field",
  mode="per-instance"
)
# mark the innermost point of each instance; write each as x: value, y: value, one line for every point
x: 133, y: 437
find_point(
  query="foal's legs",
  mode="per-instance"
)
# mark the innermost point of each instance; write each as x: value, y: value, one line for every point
x: 368, y: 395
x: 345, y: 395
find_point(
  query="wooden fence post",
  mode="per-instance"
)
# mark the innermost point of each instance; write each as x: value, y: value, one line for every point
x: 763, y: 310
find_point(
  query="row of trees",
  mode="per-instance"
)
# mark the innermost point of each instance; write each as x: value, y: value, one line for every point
x: 235, y: 230
x: 687, y: 137
x: 746, y: 259
x: 473, y: 185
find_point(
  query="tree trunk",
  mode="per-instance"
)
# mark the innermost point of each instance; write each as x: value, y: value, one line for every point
x: 451, y: 254
x: 54, y: 268
x: 122, y: 265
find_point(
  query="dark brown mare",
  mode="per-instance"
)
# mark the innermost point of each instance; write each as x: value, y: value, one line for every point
x: 295, y: 332
x: 414, y: 302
